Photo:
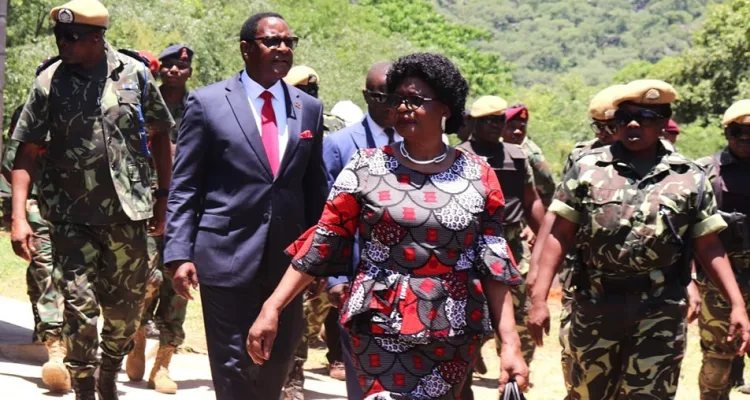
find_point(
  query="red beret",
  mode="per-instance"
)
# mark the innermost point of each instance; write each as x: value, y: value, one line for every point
x: 518, y: 111
x: 672, y: 127
x: 153, y: 62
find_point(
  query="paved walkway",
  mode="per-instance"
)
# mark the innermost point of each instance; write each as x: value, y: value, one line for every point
x: 20, y: 367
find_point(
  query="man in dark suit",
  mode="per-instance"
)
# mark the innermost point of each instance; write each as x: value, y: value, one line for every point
x: 248, y: 180
x: 375, y: 130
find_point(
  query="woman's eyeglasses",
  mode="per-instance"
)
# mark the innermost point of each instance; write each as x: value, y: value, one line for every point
x: 412, y: 102
x: 274, y: 42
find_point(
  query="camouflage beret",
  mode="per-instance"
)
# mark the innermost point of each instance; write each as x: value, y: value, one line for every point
x: 301, y: 75
x: 646, y: 92
x: 488, y: 105
x: 602, y: 107
x: 738, y: 113
x: 82, y: 12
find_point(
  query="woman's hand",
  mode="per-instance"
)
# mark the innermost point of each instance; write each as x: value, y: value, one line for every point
x: 739, y: 328
x: 513, y: 366
x: 262, y: 334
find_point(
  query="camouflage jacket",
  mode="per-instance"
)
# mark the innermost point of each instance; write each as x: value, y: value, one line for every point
x: 332, y: 123
x: 545, y: 182
x: 624, y: 218
x: 95, y: 170
x: 733, y: 199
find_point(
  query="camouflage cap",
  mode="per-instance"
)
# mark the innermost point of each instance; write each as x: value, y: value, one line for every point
x: 646, y: 92
x: 738, y: 113
x: 301, y: 75
x: 488, y: 105
x: 602, y: 107
x: 82, y: 12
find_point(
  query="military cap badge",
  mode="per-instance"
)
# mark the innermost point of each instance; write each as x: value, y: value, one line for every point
x: 65, y: 16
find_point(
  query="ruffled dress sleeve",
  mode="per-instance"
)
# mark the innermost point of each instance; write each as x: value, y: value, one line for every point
x: 493, y: 255
x: 325, y: 249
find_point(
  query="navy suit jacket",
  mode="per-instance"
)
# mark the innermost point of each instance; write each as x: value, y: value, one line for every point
x: 338, y: 148
x: 226, y: 211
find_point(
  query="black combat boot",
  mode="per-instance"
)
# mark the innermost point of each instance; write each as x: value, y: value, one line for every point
x: 84, y: 388
x: 107, y: 384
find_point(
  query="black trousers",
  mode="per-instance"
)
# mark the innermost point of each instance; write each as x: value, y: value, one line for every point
x: 228, y: 314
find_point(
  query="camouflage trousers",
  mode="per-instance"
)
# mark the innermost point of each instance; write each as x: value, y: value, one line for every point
x: 315, y: 310
x: 42, y: 279
x: 714, y: 378
x: 171, y: 309
x: 521, y: 254
x: 101, y: 267
x: 626, y: 350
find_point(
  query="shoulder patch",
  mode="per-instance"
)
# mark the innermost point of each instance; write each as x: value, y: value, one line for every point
x: 46, y: 64
x: 134, y: 54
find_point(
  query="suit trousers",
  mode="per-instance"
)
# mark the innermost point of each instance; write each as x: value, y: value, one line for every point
x: 228, y: 313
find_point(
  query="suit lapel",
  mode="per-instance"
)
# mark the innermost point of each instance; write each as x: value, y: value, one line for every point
x: 238, y: 101
x: 359, y: 138
x: 293, y: 126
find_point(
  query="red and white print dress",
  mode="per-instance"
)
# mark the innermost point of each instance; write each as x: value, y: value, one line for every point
x: 416, y: 310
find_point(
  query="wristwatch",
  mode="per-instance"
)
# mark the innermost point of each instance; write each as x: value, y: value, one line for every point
x: 159, y: 193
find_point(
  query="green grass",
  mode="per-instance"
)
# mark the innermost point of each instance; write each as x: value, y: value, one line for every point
x: 546, y: 373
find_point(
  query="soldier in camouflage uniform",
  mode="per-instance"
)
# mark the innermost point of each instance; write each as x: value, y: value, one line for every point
x: 95, y: 103
x: 307, y: 80
x: 41, y: 282
x: 522, y: 203
x: 175, y: 70
x: 634, y: 211
x: 727, y: 171
x: 516, y: 122
x: 316, y: 306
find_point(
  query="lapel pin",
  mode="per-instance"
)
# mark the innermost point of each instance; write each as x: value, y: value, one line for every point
x: 298, y: 105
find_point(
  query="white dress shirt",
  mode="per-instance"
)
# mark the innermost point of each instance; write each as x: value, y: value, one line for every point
x: 254, y: 90
x: 378, y: 133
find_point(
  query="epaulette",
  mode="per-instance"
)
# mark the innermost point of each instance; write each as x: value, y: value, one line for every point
x: 46, y: 63
x: 134, y: 54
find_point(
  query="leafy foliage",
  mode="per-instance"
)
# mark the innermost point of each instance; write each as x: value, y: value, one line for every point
x: 543, y: 38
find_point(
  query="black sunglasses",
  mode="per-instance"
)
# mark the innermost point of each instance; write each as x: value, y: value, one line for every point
x: 737, y: 131
x: 643, y: 116
x: 412, y: 102
x: 603, y: 127
x: 493, y: 119
x: 274, y: 42
x: 378, y: 97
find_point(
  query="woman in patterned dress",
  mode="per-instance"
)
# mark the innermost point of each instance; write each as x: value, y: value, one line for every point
x: 435, y: 270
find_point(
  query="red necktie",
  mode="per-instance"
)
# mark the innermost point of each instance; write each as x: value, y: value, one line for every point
x: 270, y: 132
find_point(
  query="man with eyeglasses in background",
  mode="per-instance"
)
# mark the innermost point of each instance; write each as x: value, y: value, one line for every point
x: 522, y: 202
x: 248, y: 179
x: 169, y: 309
x: 727, y: 171
x: 375, y: 130
x: 96, y: 104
